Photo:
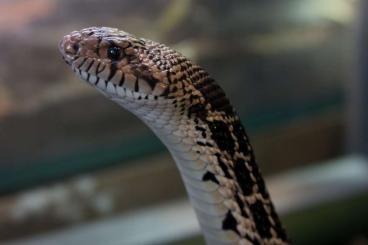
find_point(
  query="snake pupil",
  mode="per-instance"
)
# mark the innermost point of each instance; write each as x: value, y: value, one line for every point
x: 113, y: 53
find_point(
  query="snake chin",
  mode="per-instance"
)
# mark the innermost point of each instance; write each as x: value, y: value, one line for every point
x: 111, y: 90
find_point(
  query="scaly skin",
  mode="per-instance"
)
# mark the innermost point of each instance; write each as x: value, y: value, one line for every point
x: 189, y: 112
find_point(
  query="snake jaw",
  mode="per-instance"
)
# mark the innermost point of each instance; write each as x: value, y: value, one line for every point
x: 88, y: 52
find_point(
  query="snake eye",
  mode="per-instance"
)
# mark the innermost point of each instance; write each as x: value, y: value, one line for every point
x: 114, y: 53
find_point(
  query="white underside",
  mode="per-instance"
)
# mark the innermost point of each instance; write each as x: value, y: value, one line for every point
x: 205, y: 197
x: 178, y: 135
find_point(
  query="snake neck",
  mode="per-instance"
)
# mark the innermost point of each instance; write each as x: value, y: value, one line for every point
x: 191, y: 115
x: 217, y: 166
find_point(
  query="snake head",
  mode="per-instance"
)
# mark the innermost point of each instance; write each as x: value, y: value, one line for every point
x: 115, y: 62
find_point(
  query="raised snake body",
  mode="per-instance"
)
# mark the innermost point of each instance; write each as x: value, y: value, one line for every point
x: 189, y: 112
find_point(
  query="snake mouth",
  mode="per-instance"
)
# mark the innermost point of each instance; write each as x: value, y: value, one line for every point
x: 115, y: 85
x: 108, y: 88
x: 113, y: 67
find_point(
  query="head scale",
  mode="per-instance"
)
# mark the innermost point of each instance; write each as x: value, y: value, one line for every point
x: 116, y: 62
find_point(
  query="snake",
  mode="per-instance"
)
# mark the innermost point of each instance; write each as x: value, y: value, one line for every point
x: 190, y: 113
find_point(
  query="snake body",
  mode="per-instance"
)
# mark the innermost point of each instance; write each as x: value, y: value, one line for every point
x: 191, y: 115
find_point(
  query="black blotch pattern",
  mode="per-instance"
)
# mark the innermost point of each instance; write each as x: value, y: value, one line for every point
x: 200, y: 128
x: 260, y: 182
x: 214, y: 95
x: 192, y: 98
x: 260, y: 216
x: 151, y: 81
x: 198, y: 110
x: 241, y: 205
x: 223, y: 166
x: 208, y: 176
x: 229, y: 223
x: 243, y: 177
x: 241, y: 136
x: 221, y: 135
x: 143, y: 71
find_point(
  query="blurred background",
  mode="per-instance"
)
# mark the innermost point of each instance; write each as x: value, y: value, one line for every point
x: 77, y: 169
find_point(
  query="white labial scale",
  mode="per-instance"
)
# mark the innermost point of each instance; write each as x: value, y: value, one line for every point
x: 117, y: 77
x: 84, y: 75
x: 120, y: 91
x: 92, y: 80
x: 111, y: 89
x: 129, y: 94
x: 101, y: 85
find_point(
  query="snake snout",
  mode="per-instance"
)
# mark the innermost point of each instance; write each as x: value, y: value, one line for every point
x: 69, y: 47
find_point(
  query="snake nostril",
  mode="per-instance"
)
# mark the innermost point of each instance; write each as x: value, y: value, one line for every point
x: 76, y: 47
x: 69, y: 47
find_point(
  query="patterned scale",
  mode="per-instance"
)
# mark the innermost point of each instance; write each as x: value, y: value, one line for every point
x: 191, y: 115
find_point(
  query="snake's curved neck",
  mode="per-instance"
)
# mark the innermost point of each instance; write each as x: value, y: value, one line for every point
x: 190, y: 113
x: 227, y: 192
